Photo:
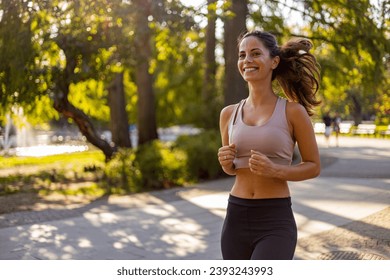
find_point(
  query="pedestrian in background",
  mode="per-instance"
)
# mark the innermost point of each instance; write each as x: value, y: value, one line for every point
x: 328, y: 127
x: 258, y: 137
x: 336, y: 127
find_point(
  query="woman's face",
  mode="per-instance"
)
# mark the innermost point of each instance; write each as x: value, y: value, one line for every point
x: 254, y: 60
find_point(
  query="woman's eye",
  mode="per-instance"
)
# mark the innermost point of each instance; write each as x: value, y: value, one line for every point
x: 256, y: 54
x: 241, y: 56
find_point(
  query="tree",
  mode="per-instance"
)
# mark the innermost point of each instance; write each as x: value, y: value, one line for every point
x: 81, y: 43
x: 118, y: 115
x: 147, y: 127
x: 17, y: 54
x: 234, y: 25
x: 69, y: 39
x: 209, y: 87
x: 176, y: 63
x: 353, y: 43
x: 81, y: 46
x: 158, y: 37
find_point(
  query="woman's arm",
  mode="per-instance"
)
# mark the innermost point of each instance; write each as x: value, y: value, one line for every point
x: 226, y: 153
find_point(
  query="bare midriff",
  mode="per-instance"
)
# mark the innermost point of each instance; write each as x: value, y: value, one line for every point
x: 252, y: 186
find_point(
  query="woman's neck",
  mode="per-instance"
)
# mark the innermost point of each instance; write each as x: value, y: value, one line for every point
x: 260, y: 93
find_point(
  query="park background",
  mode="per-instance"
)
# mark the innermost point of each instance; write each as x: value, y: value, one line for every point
x: 134, y: 88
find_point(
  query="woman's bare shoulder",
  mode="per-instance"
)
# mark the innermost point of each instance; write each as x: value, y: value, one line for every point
x: 295, y: 111
x: 295, y: 108
x: 227, y: 111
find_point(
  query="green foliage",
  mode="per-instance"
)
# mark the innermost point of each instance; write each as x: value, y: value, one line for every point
x: 161, y: 166
x: 54, y: 182
x: 39, y: 39
x: 152, y: 166
x: 17, y: 54
x: 266, y: 15
x: 40, y: 110
x: 14, y: 183
x: 201, y: 150
x: 131, y: 97
x: 178, y: 83
x: 351, y: 43
x: 87, y: 189
x: 122, y: 173
x: 352, y: 40
x: 382, y: 106
x: 93, y: 96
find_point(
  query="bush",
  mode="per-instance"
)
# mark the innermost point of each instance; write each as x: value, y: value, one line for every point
x: 161, y: 166
x: 152, y: 166
x: 122, y: 173
x: 201, y: 150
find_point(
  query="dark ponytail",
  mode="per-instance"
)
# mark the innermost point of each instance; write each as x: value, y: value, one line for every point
x: 298, y: 72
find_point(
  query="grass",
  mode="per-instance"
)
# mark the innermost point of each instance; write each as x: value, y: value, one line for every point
x: 67, y: 174
x: 80, y: 158
x: 380, y: 129
x: 86, y: 189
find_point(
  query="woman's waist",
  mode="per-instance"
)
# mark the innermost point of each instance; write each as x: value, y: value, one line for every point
x: 249, y: 185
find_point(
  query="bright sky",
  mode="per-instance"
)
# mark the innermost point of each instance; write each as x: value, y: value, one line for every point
x: 293, y: 18
x: 194, y: 3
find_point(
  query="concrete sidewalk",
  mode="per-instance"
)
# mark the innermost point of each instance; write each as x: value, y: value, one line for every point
x: 344, y: 211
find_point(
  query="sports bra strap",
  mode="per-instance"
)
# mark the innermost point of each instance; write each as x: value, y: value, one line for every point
x: 233, y: 118
x: 236, y: 109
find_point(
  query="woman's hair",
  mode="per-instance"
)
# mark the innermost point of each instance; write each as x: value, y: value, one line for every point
x: 298, y: 72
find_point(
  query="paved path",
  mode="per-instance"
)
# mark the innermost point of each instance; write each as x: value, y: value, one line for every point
x: 343, y: 211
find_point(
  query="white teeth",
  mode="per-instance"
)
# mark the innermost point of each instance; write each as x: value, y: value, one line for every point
x: 250, y: 69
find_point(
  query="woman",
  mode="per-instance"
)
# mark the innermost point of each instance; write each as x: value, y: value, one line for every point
x: 258, y: 138
x: 328, y: 127
x: 336, y: 127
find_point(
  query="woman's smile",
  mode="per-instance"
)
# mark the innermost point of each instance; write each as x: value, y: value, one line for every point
x: 250, y: 69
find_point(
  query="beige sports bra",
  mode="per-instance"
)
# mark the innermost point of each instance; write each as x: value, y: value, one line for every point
x: 272, y: 138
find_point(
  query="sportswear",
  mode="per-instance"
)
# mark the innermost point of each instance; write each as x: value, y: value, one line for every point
x: 272, y: 138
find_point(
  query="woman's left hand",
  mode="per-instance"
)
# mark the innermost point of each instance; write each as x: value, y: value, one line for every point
x: 261, y: 165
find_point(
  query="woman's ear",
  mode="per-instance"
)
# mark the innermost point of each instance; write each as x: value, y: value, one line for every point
x: 275, y: 62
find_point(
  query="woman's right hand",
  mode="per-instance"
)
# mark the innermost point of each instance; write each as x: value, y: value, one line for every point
x: 226, y: 155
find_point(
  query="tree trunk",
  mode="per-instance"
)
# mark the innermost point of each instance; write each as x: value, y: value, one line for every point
x: 147, y: 127
x: 356, y: 105
x: 209, y: 115
x: 63, y: 106
x: 119, y: 121
x: 235, y: 86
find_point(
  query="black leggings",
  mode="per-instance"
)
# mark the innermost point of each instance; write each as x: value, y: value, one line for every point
x: 259, y: 229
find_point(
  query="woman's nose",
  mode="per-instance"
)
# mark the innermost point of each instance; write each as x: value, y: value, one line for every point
x: 248, y: 58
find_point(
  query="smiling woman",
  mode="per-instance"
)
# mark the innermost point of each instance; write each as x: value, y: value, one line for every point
x: 258, y: 138
x: 254, y: 62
